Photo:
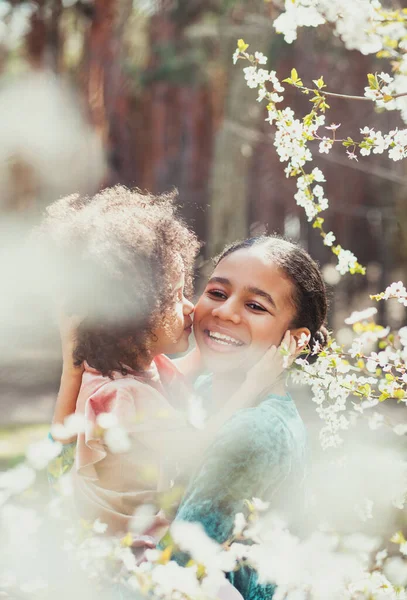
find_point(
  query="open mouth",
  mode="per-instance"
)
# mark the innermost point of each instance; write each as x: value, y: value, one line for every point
x: 221, y: 342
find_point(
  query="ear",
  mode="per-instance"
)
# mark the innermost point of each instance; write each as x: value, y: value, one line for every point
x: 302, y: 337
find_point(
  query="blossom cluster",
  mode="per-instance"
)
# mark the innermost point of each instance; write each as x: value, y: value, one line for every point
x: 292, y: 142
x: 367, y: 26
x: 347, y: 381
x: 317, y: 566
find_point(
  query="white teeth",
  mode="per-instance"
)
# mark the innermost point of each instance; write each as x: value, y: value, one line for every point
x: 224, y: 339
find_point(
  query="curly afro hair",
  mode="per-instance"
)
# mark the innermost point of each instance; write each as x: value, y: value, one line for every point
x: 116, y: 256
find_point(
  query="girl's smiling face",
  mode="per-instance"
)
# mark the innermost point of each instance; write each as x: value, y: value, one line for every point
x: 246, y: 308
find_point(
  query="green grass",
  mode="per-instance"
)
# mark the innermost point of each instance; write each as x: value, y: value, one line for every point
x: 14, y: 440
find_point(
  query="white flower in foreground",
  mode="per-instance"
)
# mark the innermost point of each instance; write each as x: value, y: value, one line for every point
x: 236, y: 55
x: 318, y: 175
x: 396, y: 289
x: 240, y: 523
x: 361, y: 315
x: 380, y: 558
x: 106, y: 420
x: 261, y: 59
x: 385, y: 77
x: 99, y: 527
x: 196, y: 412
x: 39, y: 454
x: 73, y: 424
x: 18, y: 479
x: 192, y: 538
x: 397, y: 153
x: 126, y: 556
x: 325, y: 146
x: 259, y: 505
x: 346, y: 261
x: 172, y: 577
x: 329, y: 238
x: 365, y: 510
x: 395, y: 569
x: 376, y: 420
x: 400, y: 429
x: 373, y: 585
x: 403, y: 335
x: 143, y: 518
x: 117, y: 440
x: 373, y: 94
x: 351, y: 155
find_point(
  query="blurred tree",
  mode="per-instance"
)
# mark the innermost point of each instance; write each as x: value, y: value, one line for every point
x: 238, y: 134
x: 105, y: 81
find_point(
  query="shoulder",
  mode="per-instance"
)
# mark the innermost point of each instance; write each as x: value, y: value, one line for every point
x: 259, y: 433
x: 270, y: 416
x: 100, y: 394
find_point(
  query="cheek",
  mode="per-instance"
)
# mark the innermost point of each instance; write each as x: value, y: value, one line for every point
x: 266, y: 332
x: 202, y: 308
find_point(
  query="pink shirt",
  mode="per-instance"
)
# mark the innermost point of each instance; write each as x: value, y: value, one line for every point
x: 111, y: 486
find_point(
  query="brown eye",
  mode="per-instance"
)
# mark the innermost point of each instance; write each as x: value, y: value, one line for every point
x: 256, y: 307
x: 217, y: 294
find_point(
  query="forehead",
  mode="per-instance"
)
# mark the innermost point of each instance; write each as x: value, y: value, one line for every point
x: 253, y: 268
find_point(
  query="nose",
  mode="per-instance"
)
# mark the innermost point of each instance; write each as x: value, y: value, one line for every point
x: 227, y: 311
x: 188, y: 307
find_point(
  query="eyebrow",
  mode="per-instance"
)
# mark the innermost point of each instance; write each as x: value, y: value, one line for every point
x: 251, y: 290
x: 220, y: 280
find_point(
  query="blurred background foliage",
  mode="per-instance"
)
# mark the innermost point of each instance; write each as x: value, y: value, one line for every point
x: 151, y: 99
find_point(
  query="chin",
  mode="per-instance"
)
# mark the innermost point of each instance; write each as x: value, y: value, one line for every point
x: 222, y: 364
x: 181, y: 346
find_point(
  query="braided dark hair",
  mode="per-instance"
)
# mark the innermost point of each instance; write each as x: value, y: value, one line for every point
x: 310, y: 300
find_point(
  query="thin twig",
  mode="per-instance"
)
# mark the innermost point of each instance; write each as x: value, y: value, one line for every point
x: 346, y: 96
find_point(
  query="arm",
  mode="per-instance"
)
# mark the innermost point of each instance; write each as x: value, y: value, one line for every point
x: 260, y: 380
x: 71, y: 377
x: 190, y: 364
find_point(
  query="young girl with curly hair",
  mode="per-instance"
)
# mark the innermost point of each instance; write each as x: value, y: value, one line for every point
x: 125, y: 260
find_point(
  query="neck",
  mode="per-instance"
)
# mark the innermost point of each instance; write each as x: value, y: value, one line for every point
x: 224, y: 385
x: 144, y: 365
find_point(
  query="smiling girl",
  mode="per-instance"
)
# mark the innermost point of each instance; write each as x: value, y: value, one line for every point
x: 260, y: 288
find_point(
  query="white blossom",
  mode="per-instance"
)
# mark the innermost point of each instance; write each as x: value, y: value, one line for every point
x: 329, y: 238
x: 99, y: 527
x: 261, y: 59
x: 361, y: 315
x: 39, y: 454
x: 117, y: 440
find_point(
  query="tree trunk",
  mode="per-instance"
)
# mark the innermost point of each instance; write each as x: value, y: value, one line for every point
x: 105, y: 84
x: 239, y: 132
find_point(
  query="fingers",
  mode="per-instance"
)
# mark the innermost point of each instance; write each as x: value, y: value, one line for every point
x: 285, y: 342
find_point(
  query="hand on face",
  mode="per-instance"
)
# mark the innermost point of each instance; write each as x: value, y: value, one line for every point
x: 267, y: 371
